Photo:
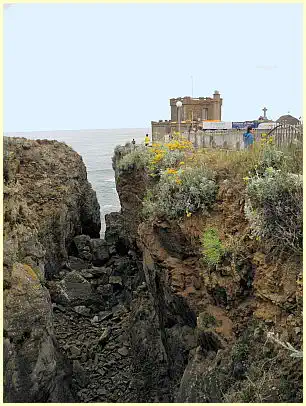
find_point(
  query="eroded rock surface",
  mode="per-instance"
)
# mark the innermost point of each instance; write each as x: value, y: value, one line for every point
x: 47, y: 201
x: 135, y: 317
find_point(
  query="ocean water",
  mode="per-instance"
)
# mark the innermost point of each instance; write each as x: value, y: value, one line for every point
x: 96, y: 148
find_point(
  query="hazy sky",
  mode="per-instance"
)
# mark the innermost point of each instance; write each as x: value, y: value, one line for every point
x: 94, y: 66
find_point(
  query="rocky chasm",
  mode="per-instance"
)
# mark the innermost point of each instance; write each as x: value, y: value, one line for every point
x: 129, y: 318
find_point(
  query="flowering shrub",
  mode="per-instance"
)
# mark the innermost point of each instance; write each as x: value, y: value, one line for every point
x: 274, y: 209
x: 181, y: 192
x: 155, y: 159
x: 137, y: 158
x: 269, y: 157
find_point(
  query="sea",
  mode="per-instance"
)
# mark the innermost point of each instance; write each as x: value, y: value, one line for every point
x: 96, y: 148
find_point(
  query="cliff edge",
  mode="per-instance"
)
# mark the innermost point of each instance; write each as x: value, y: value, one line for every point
x: 47, y: 201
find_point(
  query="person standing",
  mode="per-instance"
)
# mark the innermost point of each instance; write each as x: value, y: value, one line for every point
x: 248, y: 137
x: 133, y: 143
x: 147, y: 140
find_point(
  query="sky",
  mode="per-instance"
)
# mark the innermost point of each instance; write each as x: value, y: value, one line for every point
x: 99, y: 66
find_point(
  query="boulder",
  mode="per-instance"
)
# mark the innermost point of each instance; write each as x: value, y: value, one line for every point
x: 82, y: 244
x: 34, y: 371
x: 99, y: 250
x: 73, y: 289
x: 105, y: 290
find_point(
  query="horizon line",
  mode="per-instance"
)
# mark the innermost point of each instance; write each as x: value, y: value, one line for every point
x: 82, y: 129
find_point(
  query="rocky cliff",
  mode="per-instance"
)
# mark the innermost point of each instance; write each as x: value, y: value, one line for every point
x: 47, y: 201
x: 232, y: 308
x: 137, y: 316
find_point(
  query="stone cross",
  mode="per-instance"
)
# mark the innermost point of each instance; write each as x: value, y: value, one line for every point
x: 265, y: 110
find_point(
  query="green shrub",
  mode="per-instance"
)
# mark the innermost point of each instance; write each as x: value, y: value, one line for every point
x: 180, y: 193
x: 212, y: 248
x: 274, y: 209
x: 171, y: 159
x: 130, y: 159
x: 270, y: 158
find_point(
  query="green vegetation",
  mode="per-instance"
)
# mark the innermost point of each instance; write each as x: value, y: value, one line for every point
x: 187, y: 182
x: 212, y: 248
x: 274, y: 209
x: 179, y: 193
x: 206, y: 320
x: 137, y: 158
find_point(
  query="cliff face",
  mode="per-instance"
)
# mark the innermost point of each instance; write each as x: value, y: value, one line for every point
x: 236, y: 303
x: 137, y: 317
x: 47, y: 201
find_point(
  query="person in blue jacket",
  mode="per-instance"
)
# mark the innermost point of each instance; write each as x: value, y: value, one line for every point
x: 248, y: 137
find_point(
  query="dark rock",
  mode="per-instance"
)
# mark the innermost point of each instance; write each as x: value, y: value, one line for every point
x: 82, y: 246
x: 200, y: 382
x: 101, y: 392
x: 76, y: 264
x: 123, y: 351
x: 106, y: 290
x: 74, y: 289
x: 115, y: 234
x: 100, y: 251
x: 95, y: 319
x: 80, y: 374
x: 86, y: 273
x: 83, y: 310
x: 75, y: 351
x: 90, y: 213
x: 116, y: 280
x: 105, y: 315
x: 104, y: 336
x: 34, y: 370
x: 96, y: 271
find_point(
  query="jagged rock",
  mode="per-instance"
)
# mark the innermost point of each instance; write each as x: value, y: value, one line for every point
x: 82, y: 244
x: 76, y: 264
x: 105, y: 290
x: 115, y: 280
x: 47, y: 201
x: 105, y: 315
x: 115, y: 234
x: 104, y: 336
x: 123, y: 351
x: 100, y: 251
x: 96, y: 271
x: 80, y: 374
x: 83, y: 310
x: 75, y: 351
x: 34, y: 370
x: 75, y: 289
x: 86, y: 273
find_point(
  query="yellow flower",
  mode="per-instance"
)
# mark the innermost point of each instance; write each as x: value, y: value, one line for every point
x: 171, y: 171
x: 188, y: 214
x: 182, y: 163
x: 246, y: 178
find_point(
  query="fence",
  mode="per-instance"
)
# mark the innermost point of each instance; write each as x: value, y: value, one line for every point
x: 283, y: 135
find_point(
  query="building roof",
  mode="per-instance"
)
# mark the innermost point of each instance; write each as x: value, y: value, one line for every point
x: 288, y: 119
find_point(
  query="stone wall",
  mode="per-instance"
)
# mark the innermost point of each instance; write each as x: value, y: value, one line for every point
x: 229, y: 139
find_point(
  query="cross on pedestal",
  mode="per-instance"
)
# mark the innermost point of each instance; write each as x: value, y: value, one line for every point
x: 265, y: 110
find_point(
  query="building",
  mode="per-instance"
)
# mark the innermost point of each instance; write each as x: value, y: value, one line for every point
x: 192, y: 112
x: 288, y: 119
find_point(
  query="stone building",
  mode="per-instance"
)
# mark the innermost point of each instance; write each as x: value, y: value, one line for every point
x: 192, y: 113
x: 203, y: 108
x: 288, y: 119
